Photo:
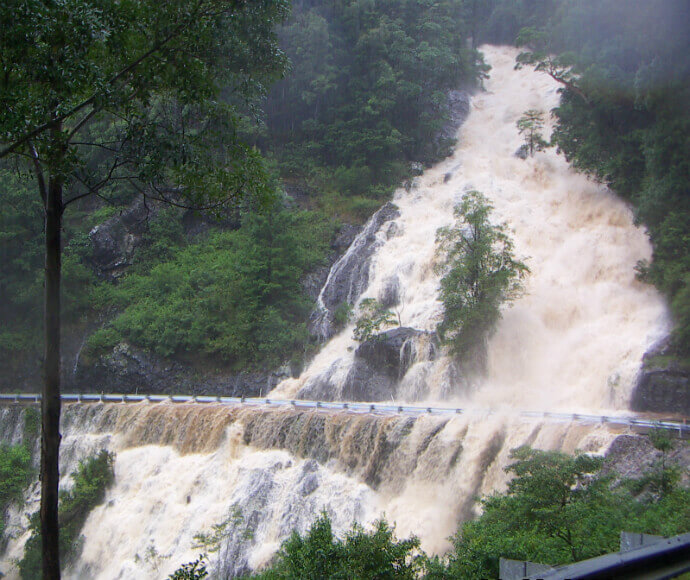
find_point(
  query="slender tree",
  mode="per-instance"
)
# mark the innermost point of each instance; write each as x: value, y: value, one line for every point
x: 529, y: 126
x: 99, y: 97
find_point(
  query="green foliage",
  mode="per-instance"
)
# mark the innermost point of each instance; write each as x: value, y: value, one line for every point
x: 530, y: 125
x: 90, y: 481
x: 559, y: 509
x: 342, y: 314
x: 623, y: 118
x: 373, y: 316
x: 480, y: 273
x: 32, y: 423
x: 191, y: 571
x: 16, y: 473
x: 236, y: 295
x: 366, y: 91
x: 361, y: 555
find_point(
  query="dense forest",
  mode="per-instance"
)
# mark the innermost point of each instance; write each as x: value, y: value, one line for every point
x: 363, y: 98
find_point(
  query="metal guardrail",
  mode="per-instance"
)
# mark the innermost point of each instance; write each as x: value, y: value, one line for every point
x: 682, y: 429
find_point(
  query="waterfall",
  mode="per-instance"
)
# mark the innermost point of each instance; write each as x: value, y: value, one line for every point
x: 574, y: 341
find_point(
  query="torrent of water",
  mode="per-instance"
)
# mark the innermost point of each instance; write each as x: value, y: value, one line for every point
x: 574, y: 341
x: 180, y: 469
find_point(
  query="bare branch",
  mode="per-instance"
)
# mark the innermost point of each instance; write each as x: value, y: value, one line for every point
x: 38, y: 170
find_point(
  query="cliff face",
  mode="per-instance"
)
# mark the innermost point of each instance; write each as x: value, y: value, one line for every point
x: 663, y: 385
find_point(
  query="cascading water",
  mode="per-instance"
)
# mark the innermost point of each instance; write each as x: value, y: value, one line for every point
x: 574, y: 341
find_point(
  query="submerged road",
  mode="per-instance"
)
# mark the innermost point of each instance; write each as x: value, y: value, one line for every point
x: 639, y: 423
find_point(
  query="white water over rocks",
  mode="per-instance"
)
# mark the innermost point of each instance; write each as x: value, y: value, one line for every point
x: 576, y: 339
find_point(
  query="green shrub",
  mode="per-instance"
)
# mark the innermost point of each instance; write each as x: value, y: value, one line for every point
x: 15, y: 475
x: 92, y: 478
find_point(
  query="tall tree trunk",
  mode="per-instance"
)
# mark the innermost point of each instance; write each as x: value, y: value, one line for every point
x: 50, y: 402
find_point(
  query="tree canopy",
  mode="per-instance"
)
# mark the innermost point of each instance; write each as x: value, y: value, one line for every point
x: 480, y: 273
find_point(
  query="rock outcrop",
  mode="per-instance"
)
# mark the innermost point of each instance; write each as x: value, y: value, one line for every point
x: 349, y: 276
x: 663, y: 385
x: 379, y: 365
x: 115, y: 240
x: 128, y: 369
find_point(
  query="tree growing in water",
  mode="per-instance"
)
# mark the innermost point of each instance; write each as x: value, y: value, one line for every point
x: 480, y: 272
x: 529, y: 126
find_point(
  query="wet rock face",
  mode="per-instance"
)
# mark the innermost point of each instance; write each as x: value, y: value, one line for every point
x: 459, y: 107
x: 349, y: 276
x: 115, y: 240
x: 663, y: 385
x: 633, y: 456
x: 128, y: 369
x: 314, y: 281
x: 392, y: 352
x: 522, y: 152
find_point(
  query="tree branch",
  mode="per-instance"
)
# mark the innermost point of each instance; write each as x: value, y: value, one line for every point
x: 114, y: 79
x: 38, y: 170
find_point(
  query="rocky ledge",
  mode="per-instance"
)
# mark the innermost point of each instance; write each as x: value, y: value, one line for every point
x: 663, y: 385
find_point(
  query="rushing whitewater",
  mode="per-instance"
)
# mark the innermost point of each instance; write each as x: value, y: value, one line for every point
x: 180, y: 469
x: 576, y: 339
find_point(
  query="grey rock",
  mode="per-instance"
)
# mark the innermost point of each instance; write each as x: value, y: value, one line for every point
x: 458, y: 110
x: 633, y: 456
x: 314, y: 281
x: 416, y: 168
x: 392, y: 352
x: 115, y: 240
x: 379, y: 365
x: 309, y: 484
x: 349, y: 276
x: 128, y: 369
x: 390, y: 292
x: 662, y: 386
x: 522, y: 152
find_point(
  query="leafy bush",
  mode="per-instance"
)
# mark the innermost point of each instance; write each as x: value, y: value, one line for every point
x: 16, y: 473
x: 559, y: 509
x: 320, y: 554
x: 236, y: 295
x: 373, y: 316
x: 92, y: 478
x: 480, y: 273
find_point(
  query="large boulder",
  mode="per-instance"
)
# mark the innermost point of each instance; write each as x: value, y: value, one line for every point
x: 394, y: 351
x: 378, y: 366
x: 115, y: 240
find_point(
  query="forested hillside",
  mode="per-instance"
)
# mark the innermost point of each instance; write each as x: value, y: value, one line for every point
x: 363, y: 102
x: 364, y: 96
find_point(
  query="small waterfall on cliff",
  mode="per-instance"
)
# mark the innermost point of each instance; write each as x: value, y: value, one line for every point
x: 576, y: 339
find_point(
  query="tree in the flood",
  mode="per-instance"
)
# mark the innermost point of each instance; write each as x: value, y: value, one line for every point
x: 480, y: 272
